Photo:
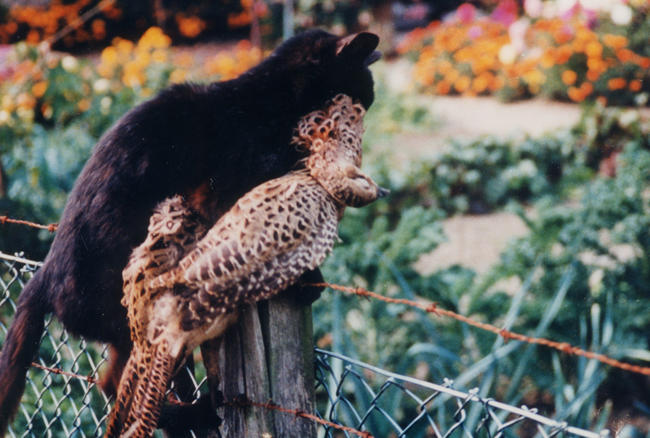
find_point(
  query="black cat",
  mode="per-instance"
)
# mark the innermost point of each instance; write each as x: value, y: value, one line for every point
x: 210, y: 143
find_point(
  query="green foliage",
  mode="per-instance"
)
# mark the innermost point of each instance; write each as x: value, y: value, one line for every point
x: 46, y: 137
x: 582, y: 270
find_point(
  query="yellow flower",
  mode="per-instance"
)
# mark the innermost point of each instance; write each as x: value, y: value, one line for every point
x: 159, y: 56
x: 109, y: 56
x: 534, y: 78
x: 154, y: 38
x: 177, y: 76
x: 124, y: 47
x: 133, y: 75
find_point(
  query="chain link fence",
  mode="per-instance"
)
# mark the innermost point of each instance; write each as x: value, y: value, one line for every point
x: 62, y: 398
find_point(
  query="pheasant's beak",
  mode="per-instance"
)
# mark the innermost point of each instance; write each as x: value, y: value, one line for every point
x: 382, y: 192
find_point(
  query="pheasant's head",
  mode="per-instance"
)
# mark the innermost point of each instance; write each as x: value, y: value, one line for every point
x: 333, y: 138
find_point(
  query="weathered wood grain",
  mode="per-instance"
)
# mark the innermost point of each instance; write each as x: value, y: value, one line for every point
x: 267, y: 355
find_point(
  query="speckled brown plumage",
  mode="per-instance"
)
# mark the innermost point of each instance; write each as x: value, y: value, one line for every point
x: 181, y: 291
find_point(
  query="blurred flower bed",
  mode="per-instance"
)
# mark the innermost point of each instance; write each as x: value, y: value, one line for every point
x: 108, y: 18
x: 575, y: 50
x: 54, y: 107
x: 41, y: 86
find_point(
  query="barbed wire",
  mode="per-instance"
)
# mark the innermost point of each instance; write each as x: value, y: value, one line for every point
x: 239, y: 402
x: 59, y: 371
x: 270, y: 405
x: 7, y: 220
x: 89, y: 416
x: 433, y: 308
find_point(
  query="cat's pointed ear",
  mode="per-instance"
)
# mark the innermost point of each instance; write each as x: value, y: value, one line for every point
x: 359, y: 46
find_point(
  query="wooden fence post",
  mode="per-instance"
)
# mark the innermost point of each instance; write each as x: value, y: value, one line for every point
x: 267, y: 355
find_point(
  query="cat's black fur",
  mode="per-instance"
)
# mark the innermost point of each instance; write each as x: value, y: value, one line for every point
x: 211, y: 143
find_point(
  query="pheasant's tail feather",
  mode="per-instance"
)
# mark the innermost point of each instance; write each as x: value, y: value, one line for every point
x: 124, y: 398
x: 149, y: 393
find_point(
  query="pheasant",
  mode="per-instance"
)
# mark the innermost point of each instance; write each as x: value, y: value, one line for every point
x: 184, y: 284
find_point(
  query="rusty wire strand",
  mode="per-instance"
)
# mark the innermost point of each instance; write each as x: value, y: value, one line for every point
x: 507, y: 335
x: 243, y: 402
x: 7, y: 220
x: 238, y: 402
x: 89, y: 379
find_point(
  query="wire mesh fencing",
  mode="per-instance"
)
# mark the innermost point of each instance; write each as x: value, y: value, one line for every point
x: 387, y: 404
x: 54, y: 404
x: 62, y: 397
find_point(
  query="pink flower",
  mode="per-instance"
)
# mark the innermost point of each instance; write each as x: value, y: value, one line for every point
x: 571, y: 12
x: 466, y: 13
x: 505, y: 12
x: 475, y: 32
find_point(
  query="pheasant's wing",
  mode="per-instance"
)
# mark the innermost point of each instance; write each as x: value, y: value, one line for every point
x: 174, y: 229
x: 274, y: 234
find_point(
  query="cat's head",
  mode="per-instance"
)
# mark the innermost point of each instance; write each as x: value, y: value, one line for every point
x: 321, y: 65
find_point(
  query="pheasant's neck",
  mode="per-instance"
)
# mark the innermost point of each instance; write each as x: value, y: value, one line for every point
x: 326, y: 171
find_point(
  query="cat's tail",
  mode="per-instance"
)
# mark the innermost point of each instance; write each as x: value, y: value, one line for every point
x: 138, y: 416
x: 20, y: 346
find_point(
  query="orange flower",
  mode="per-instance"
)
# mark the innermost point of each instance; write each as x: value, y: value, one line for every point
x: 586, y: 88
x: 569, y: 77
x: 635, y: 85
x: 575, y: 94
x: 191, y: 26
x: 98, y: 27
x: 593, y: 75
x: 643, y: 62
x: 594, y: 49
x: 602, y: 100
x: 548, y: 58
x: 39, y: 88
x: 625, y: 55
x: 33, y: 36
x: 616, y: 42
x: 563, y: 53
x: 443, y: 87
x: 480, y: 84
x: 462, y: 84
x: 616, y: 83
x: 83, y: 105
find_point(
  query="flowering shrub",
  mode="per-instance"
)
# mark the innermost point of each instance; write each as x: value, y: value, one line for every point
x: 54, y: 107
x: 39, y: 85
x: 34, y: 23
x: 571, y: 57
